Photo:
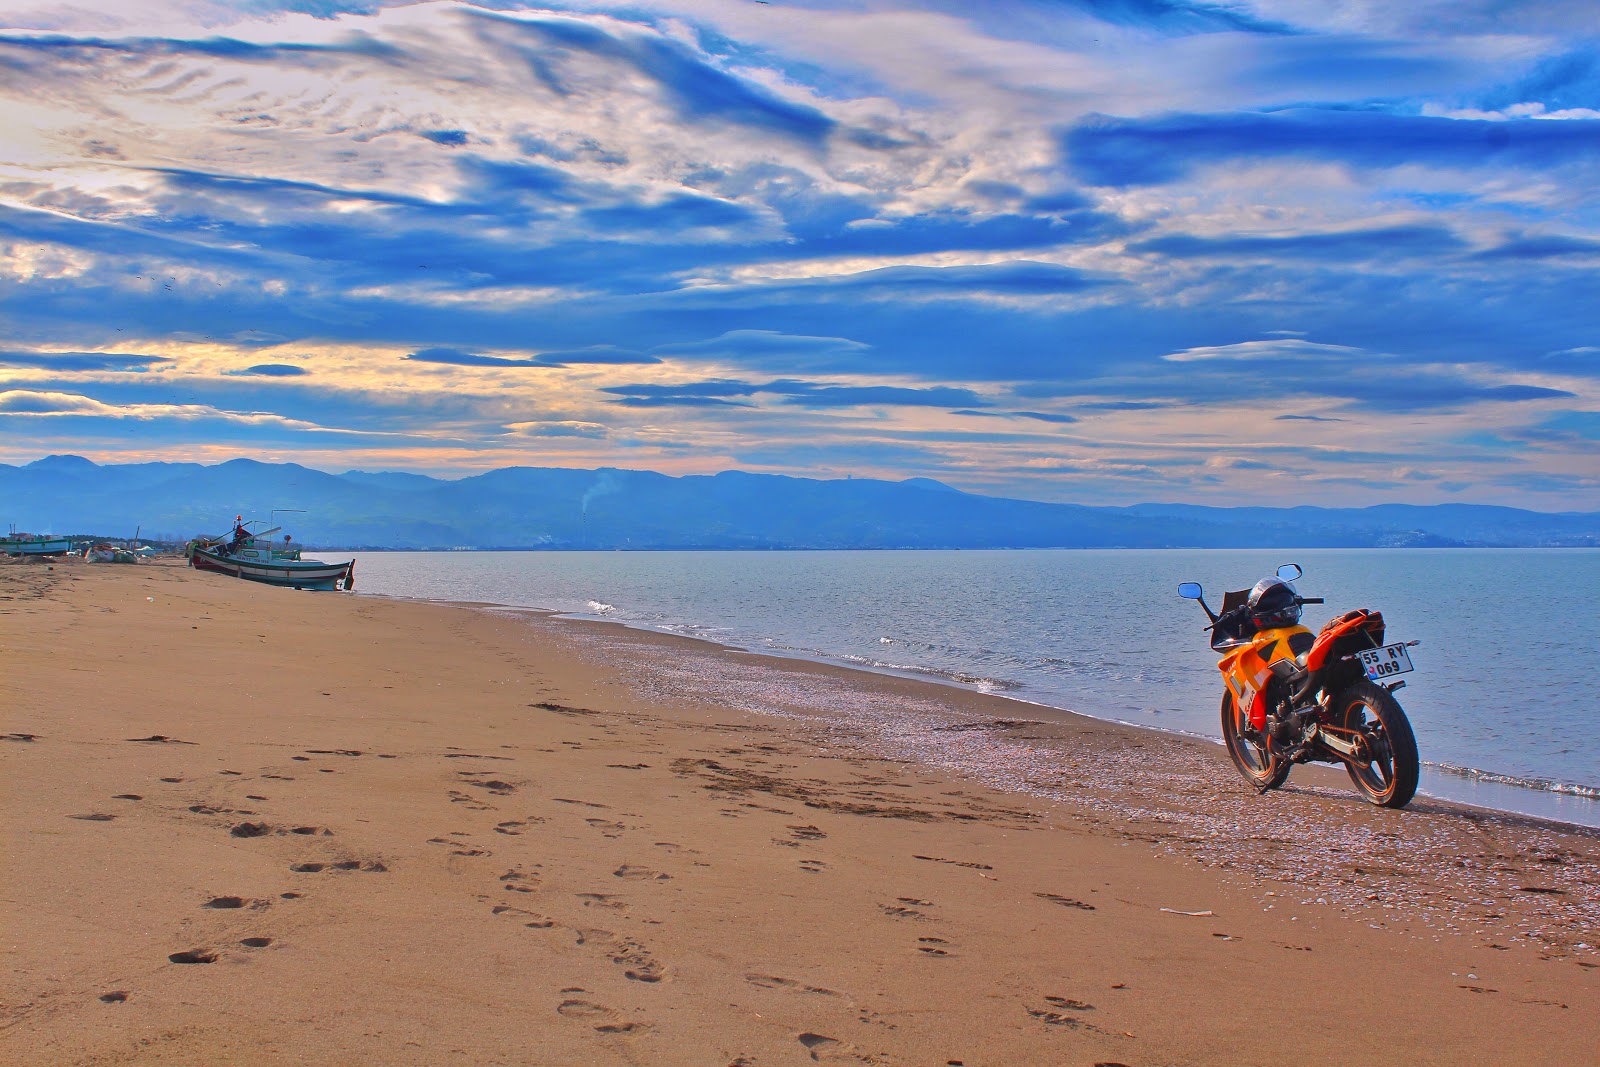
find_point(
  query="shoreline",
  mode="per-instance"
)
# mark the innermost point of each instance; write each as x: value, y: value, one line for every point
x: 1542, y: 799
x: 411, y: 832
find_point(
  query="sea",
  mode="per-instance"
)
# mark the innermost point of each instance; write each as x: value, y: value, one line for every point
x: 1503, y: 699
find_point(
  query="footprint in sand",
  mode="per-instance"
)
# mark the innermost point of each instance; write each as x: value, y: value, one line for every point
x: 824, y: 1049
x: 255, y: 942
x: 930, y: 945
x: 606, y: 827
x: 907, y: 908
x: 93, y: 816
x: 516, y: 827
x: 639, y: 964
x: 639, y: 874
x: 813, y: 866
x: 531, y: 920
x: 116, y: 996
x: 519, y: 881
x: 771, y: 981
x: 806, y: 833
x: 196, y: 955
x: 956, y: 863
x: 493, y: 785
x: 1065, y: 902
x: 604, y: 1020
x: 472, y: 803
x: 1057, y: 1016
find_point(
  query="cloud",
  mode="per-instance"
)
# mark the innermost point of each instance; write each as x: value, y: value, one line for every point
x: 598, y: 354
x: 272, y: 370
x: 1284, y: 348
x: 1014, y: 278
x: 761, y: 346
x: 1388, y: 243
x: 828, y: 222
x: 792, y: 392
x: 808, y: 394
x: 570, y: 428
x: 678, y: 400
x: 699, y: 91
x: 1125, y: 153
x: 1042, y: 416
x: 1542, y: 246
x: 81, y: 361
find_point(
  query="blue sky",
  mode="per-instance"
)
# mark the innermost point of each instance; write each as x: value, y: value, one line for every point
x: 1100, y: 251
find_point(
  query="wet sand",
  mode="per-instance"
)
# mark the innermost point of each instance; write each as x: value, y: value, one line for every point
x: 249, y: 825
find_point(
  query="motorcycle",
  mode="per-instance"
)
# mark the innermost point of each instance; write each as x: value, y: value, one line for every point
x: 1296, y: 697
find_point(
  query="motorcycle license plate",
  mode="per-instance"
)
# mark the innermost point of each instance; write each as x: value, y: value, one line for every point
x: 1386, y: 661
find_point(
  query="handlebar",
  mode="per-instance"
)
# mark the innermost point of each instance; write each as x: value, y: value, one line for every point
x: 1310, y: 600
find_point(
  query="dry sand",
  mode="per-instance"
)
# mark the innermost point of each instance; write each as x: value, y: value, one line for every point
x: 396, y: 833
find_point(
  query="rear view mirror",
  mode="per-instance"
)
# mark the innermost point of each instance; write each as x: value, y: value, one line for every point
x: 1290, y: 571
x: 1189, y: 590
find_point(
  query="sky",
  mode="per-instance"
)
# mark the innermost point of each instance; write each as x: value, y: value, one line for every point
x: 1274, y: 252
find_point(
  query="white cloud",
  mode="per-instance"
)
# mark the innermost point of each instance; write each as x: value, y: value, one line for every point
x: 1286, y: 348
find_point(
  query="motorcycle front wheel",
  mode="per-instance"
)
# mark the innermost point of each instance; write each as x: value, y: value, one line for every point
x: 1386, y: 768
x: 1251, y: 753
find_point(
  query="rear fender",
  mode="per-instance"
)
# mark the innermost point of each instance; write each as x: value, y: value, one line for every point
x: 1348, y: 623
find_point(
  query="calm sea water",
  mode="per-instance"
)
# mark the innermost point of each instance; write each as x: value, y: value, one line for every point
x: 1502, y: 701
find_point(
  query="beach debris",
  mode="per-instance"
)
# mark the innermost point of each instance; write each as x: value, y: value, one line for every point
x: 116, y: 996
x: 19, y: 737
x: 160, y: 739
x: 1190, y: 914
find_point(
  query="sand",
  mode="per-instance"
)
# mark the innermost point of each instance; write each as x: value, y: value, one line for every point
x: 246, y: 825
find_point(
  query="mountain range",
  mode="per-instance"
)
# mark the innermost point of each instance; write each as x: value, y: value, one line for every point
x: 559, y: 508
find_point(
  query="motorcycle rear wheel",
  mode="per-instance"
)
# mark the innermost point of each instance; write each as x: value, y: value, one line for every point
x: 1260, y: 766
x: 1388, y: 776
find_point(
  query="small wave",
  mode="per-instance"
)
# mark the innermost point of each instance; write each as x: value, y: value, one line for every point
x: 597, y: 608
x: 1542, y: 785
x: 962, y: 677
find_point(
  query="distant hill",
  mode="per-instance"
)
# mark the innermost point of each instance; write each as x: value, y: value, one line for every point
x: 554, y: 508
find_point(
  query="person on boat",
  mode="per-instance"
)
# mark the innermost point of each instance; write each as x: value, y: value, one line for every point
x: 240, y: 534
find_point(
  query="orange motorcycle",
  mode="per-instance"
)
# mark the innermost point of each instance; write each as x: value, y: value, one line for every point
x: 1292, y: 696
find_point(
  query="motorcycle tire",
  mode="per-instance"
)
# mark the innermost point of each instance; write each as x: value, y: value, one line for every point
x: 1388, y: 776
x: 1260, y: 766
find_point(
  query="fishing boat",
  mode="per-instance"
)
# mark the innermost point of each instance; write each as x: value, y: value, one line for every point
x: 257, y: 557
x: 25, y: 544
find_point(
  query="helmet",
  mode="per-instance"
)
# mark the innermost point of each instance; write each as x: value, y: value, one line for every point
x: 1273, y: 603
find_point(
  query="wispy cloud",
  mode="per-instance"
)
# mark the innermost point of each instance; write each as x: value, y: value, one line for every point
x: 822, y: 238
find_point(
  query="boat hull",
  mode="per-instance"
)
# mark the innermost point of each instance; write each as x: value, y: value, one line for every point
x: 293, y: 574
x: 36, y: 546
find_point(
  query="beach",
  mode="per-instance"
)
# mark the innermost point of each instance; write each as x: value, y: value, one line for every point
x: 248, y: 825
